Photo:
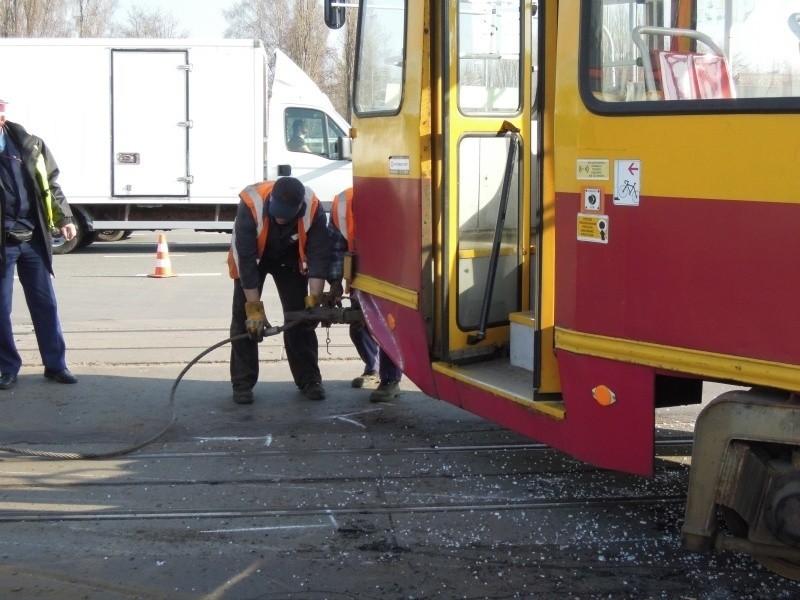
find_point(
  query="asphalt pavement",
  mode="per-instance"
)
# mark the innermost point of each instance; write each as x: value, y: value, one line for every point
x: 291, y: 498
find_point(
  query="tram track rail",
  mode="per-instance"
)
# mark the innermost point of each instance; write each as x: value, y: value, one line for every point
x: 598, y: 502
x: 375, y: 483
x: 433, y: 449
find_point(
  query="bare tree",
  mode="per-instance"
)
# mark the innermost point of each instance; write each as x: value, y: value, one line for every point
x: 93, y: 18
x: 149, y: 23
x: 265, y: 20
x: 305, y: 39
x: 298, y: 28
x: 338, y: 82
x: 33, y: 18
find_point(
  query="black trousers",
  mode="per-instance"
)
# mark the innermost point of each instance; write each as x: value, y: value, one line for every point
x: 300, y: 341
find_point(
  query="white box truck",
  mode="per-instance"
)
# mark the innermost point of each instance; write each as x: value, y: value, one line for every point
x: 164, y: 134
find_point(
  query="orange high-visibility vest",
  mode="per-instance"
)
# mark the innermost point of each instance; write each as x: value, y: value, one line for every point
x: 255, y: 198
x: 342, y: 217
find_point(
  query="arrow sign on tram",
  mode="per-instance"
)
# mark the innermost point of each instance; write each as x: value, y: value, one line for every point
x: 627, y: 182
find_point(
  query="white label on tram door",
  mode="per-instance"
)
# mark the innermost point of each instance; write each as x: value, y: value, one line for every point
x: 627, y: 180
x: 593, y: 228
x: 592, y: 169
x: 399, y: 165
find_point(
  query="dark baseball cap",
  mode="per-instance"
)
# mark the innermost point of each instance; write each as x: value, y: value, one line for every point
x: 286, y: 198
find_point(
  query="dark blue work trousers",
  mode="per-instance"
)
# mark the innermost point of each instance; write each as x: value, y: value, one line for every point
x: 300, y: 341
x: 29, y: 259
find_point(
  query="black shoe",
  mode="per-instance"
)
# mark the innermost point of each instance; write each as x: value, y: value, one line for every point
x: 7, y: 381
x: 314, y: 391
x: 63, y: 376
x: 243, y: 396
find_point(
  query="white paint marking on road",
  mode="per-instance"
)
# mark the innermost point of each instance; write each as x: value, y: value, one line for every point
x: 184, y: 275
x: 278, y: 528
x: 352, y: 414
x: 234, y: 439
x: 138, y: 255
x: 351, y: 421
x: 333, y: 520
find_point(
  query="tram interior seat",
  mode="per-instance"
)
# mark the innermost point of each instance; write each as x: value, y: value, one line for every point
x: 691, y: 75
x: 679, y: 75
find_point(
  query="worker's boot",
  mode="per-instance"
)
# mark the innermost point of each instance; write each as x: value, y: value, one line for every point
x: 368, y: 379
x: 385, y: 392
x: 243, y: 396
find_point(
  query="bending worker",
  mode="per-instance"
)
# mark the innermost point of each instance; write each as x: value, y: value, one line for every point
x: 31, y: 206
x: 279, y: 230
x: 377, y: 364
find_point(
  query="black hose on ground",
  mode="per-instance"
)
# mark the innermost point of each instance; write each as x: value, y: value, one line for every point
x: 270, y: 331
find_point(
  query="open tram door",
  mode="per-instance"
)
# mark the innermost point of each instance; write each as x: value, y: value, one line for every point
x: 495, y: 306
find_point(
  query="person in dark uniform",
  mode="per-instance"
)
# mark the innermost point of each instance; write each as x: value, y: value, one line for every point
x: 379, y: 369
x: 279, y: 230
x: 32, y: 209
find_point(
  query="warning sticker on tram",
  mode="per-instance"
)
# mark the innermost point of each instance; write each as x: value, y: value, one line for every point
x: 593, y: 228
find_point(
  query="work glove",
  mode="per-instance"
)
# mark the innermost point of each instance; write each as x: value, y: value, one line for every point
x: 336, y: 290
x: 312, y: 300
x: 256, y: 321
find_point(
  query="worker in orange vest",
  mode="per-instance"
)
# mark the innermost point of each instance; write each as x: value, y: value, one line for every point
x: 280, y: 230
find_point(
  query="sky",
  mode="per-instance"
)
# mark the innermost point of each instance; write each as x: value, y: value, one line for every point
x: 203, y: 18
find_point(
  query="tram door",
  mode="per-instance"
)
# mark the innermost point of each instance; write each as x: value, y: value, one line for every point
x: 487, y: 147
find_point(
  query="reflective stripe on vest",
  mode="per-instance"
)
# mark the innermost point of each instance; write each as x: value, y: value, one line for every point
x: 304, y: 224
x: 44, y: 185
x: 342, y: 216
x: 254, y: 197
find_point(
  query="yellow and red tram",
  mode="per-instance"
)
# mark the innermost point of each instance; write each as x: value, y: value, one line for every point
x: 573, y: 212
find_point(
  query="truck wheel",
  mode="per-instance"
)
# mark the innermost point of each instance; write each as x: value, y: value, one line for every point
x: 111, y: 235
x: 62, y: 246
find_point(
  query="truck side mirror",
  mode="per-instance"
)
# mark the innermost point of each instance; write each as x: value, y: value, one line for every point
x: 344, y: 149
x: 334, y: 15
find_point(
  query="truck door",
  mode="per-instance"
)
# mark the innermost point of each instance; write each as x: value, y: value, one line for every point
x: 311, y: 152
x: 150, y: 122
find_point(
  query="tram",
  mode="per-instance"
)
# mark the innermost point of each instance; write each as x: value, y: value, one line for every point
x: 570, y: 213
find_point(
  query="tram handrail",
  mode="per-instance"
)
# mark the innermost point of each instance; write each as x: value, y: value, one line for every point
x: 513, y: 134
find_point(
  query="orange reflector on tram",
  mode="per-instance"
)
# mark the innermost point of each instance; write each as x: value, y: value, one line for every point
x: 604, y: 395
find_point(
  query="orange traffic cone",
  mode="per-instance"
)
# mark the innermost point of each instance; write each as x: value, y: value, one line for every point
x: 163, y: 266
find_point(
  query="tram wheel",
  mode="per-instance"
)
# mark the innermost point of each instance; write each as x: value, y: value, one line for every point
x: 738, y: 528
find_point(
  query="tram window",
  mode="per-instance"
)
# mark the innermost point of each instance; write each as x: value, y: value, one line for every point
x: 482, y: 164
x: 691, y: 50
x: 489, y: 37
x: 380, y: 64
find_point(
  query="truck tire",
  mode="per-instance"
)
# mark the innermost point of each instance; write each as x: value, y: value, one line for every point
x: 110, y: 235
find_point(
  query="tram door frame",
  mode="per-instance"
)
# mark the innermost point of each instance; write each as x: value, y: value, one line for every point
x: 475, y: 172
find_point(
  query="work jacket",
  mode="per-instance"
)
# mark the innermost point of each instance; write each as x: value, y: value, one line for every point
x: 256, y: 199
x: 40, y: 174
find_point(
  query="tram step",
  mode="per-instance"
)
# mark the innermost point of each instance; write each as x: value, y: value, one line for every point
x: 522, y: 326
